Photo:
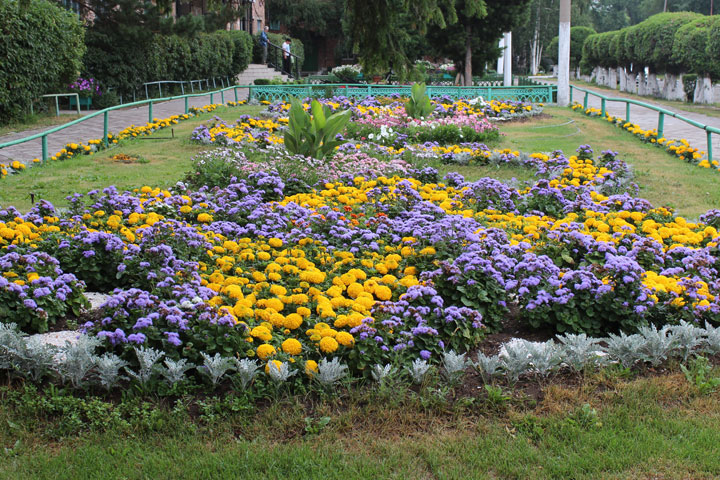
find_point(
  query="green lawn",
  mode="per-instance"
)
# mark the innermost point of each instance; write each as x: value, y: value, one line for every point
x: 648, y: 428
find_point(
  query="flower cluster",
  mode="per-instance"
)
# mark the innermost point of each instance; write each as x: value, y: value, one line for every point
x: 86, y: 87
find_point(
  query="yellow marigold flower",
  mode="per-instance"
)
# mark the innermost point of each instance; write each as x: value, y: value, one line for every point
x: 311, y: 367
x: 354, y: 289
x: 204, y: 218
x: 328, y: 344
x: 345, y: 339
x: 292, y: 346
x: 275, y: 242
x: 265, y: 350
x: 261, y: 332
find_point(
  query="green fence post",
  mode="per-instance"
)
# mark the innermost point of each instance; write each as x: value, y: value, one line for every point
x: 160, y: 89
x: 186, y: 106
x: 211, y: 98
x: 235, y: 90
x: 602, y: 111
x: 709, y: 143
x: 661, y: 125
x: 585, y: 103
x: 57, y: 107
x: 571, y: 94
x: 627, y: 111
x: 105, y: 128
x: 44, y: 149
x: 150, y: 112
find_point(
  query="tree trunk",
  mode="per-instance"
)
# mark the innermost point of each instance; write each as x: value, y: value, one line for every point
x: 535, y: 49
x: 468, y: 56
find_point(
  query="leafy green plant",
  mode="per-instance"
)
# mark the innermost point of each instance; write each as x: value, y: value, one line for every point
x: 314, y: 136
x: 698, y: 374
x: 419, y: 105
x: 496, y: 397
x: 314, y: 426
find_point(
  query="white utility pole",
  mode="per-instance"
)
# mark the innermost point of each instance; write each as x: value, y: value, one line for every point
x: 563, y: 96
x: 507, y: 69
x: 501, y: 59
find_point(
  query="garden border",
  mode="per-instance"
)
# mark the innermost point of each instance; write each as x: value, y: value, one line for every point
x: 661, y: 114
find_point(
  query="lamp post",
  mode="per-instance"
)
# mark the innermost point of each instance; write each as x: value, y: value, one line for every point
x: 563, y: 97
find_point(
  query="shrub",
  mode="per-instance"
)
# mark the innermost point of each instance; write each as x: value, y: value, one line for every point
x: 691, y: 45
x: 656, y: 37
x: 41, y: 47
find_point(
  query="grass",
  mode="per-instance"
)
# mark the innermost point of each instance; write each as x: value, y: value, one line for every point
x: 664, y: 180
x: 168, y: 159
x: 653, y: 427
x: 37, y: 121
x: 711, y: 110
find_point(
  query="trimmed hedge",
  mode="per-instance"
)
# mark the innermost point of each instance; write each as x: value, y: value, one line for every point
x: 275, y: 56
x: 41, y: 48
x: 679, y: 42
x: 166, y: 57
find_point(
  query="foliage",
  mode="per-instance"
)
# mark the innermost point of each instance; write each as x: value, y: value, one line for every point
x: 314, y: 136
x: 578, y: 35
x: 418, y: 106
x: 698, y: 374
x: 41, y: 46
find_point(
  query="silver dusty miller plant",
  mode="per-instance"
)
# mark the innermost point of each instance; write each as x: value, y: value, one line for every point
x: 174, y: 371
x: 625, y: 349
x: 417, y: 370
x: 454, y: 364
x: 246, y: 371
x: 33, y: 358
x: 280, y: 374
x: 544, y: 357
x: 579, y: 351
x: 107, y: 370
x: 381, y: 372
x: 515, y: 358
x: 148, y: 358
x: 77, y: 359
x: 687, y: 338
x: 487, y: 366
x: 711, y: 343
x: 216, y: 367
x: 330, y: 372
x: 656, y: 344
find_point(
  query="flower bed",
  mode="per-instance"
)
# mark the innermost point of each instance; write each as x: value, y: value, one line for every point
x: 372, y: 270
x: 678, y: 148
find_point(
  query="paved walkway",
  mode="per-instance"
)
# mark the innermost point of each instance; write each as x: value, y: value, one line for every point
x: 93, y: 128
x: 648, y: 119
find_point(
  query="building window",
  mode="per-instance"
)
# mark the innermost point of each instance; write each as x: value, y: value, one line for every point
x: 259, y: 25
x: 275, y: 25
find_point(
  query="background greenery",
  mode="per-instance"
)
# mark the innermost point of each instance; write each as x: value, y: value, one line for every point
x: 41, y: 46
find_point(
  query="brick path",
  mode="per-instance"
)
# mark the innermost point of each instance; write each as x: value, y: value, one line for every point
x: 93, y: 128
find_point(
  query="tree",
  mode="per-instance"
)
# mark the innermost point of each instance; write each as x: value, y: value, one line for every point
x: 577, y: 39
x: 482, y: 37
x: 373, y: 27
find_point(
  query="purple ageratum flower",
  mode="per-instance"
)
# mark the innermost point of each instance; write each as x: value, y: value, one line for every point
x: 138, y: 338
x: 173, y: 338
x: 425, y: 354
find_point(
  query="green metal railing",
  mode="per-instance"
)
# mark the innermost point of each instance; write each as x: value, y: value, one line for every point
x: 105, y: 113
x: 661, y: 114
x: 534, y: 93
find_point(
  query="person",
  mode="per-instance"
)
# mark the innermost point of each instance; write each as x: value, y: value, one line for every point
x: 264, y: 44
x: 287, y: 64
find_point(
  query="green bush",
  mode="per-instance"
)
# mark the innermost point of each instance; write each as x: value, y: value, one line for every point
x: 41, y: 47
x: 242, y: 50
x: 691, y: 47
x: 578, y: 35
x: 656, y: 37
x: 166, y: 57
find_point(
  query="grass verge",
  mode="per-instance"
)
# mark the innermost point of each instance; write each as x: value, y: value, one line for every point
x: 604, y: 427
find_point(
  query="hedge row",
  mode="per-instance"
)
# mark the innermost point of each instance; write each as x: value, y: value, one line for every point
x: 681, y: 42
x: 41, y: 46
x: 166, y: 57
x: 274, y: 55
